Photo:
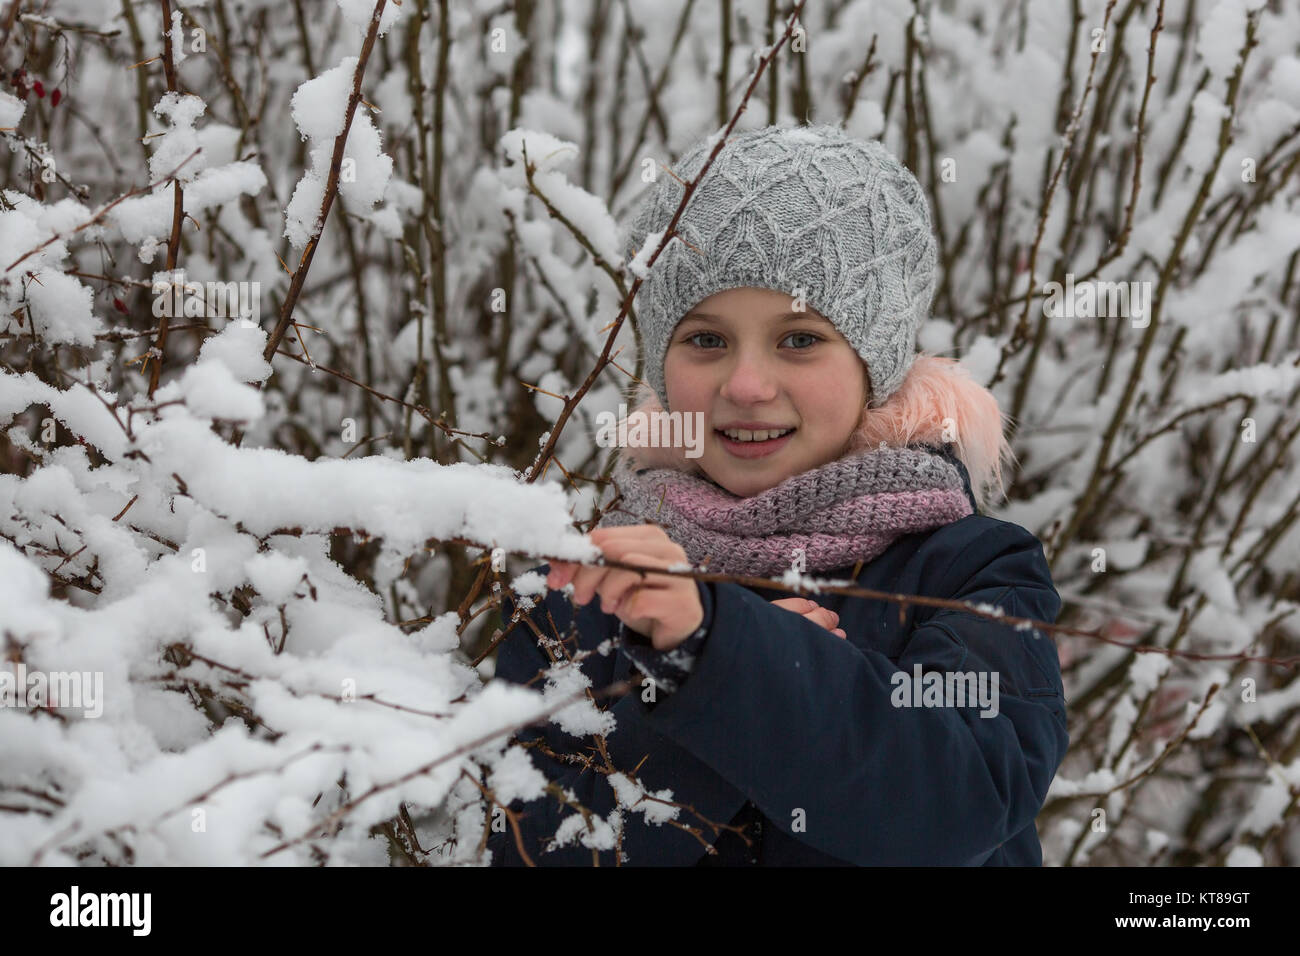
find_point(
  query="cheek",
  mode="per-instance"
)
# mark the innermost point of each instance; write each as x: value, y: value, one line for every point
x: 831, y: 398
x: 672, y: 377
x: 685, y: 386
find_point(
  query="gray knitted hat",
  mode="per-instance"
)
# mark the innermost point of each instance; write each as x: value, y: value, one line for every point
x: 796, y: 209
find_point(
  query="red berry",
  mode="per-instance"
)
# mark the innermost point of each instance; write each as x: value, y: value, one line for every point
x: 39, y: 88
x: 55, y: 97
x: 119, y: 305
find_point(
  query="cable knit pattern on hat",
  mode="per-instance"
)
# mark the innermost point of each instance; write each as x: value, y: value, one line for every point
x: 834, y: 221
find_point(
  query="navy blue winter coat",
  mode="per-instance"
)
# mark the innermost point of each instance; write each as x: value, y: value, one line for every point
x: 789, y: 730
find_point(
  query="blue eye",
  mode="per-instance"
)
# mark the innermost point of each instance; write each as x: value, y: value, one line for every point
x: 692, y: 338
x: 815, y: 339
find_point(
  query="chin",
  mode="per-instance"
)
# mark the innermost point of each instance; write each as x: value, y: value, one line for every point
x: 747, y: 482
x: 746, y: 486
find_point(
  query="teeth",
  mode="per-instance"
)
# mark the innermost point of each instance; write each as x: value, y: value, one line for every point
x: 744, y: 434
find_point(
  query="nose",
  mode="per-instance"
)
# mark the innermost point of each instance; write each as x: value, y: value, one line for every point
x: 749, y: 382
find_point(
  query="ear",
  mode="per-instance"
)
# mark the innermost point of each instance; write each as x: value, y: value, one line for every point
x: 939, y: 401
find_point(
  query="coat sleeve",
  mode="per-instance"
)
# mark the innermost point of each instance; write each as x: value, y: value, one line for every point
x: 519, y: 660
x: 808, y: 726
x: 668, y: 669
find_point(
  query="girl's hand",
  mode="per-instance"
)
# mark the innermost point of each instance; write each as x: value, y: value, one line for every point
x: 814, y: 612
x: 665, y: 608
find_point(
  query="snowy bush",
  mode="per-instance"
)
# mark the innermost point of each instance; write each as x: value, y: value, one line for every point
x: 309, y: 310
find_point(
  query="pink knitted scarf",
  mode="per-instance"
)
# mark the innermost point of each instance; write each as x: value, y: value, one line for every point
x: 827, y: 518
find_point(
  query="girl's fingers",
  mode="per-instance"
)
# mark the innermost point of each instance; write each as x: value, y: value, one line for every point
x: 797, y: 604
x: 640, y: 612
x: 650, y: 541
x: 636, y: 532
x: 586, y: 581
x: 664, y: 614
x: 637, y: 604
x: 616, y: 586
x: 596, y: 582
x: 822, y: 616
x: 640, y: 539
x: 825, y: 617
x: 560, y: 574
x: 647, y: 546
x: 593, y: 579
x: 620, y: 582
x: 641, y: 544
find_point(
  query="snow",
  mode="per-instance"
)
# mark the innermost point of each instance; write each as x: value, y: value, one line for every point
x: 529, y: 584
x: 1208, y: 111
x: 307, y: 568
x: 239, y: 349
x: 1096, y: 781
x: 335, y: 633
x: 1148, y: 667
x: 483, y: 502
x: 1217, y: 709
x: 11, y: 110
x: 1271, y: 800
x: 1124, y: 555
x: 583, y: 717
x: 24, y: 591
x: 639, y: 264
x: 393, y: 93
x: 1222, y: 35
x: 515, y: 778
x: 77, y: 409
x: 319, y: 106
x: 61, y: 309
x: 60, y: 305
x: 142, y: 218
x: 552, y: 156
x: 632, y: 796
x: 211, y: 391
x: 302, y: 215
x: 1284, y: 79
x: 1262, y: 380
x: 180, y: 140
x: 319, y: 110
x: 597, y: 834
x: 1243, y: 855
x: 359, y: 13
x: 1207, y: 574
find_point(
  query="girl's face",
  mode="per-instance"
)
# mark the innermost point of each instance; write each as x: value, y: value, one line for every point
x: 745, y: 359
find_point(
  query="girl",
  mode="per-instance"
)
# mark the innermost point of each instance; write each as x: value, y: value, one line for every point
x: 774, y: 730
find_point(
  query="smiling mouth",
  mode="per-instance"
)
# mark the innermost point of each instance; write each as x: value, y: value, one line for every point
x: 755, y: 445
x: 748, y: 436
